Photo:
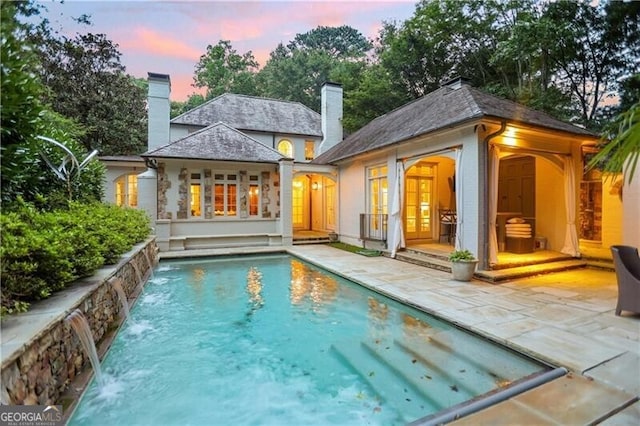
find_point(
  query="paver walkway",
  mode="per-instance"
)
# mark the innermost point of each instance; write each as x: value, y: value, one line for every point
x: 566, y: 319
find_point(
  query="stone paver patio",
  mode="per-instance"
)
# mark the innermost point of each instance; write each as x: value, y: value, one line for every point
x: 566, y: 319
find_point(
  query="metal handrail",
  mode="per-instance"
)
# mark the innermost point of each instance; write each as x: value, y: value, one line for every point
x: 373, y: 227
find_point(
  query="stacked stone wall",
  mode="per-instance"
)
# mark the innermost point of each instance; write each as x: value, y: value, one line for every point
x: 41, y: 371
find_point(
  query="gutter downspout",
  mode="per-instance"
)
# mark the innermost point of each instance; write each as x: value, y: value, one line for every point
x: 485, y: 199
x: 465, y: 409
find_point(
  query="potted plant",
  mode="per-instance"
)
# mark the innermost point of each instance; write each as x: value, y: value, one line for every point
x: 463, y: 264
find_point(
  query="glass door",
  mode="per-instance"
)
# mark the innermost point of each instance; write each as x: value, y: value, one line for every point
x: 419, y: 202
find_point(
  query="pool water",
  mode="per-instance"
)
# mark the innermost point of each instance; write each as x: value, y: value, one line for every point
x: 272, y: 340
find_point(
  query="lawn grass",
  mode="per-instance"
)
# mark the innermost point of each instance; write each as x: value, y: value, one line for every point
x: 355, y: 249
x: 346, y: 247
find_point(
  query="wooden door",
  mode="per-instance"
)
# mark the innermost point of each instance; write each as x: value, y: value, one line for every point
x: 517, y: 186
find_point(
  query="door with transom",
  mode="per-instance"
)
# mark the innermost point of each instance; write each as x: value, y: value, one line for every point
x: 419, y: 202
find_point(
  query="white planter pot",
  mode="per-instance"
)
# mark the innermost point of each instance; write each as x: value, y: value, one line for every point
x: 463, y: 270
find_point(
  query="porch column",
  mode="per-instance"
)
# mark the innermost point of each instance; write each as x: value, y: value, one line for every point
x: 286, y: 201
x: 631, y: 207
x: 148, y: 194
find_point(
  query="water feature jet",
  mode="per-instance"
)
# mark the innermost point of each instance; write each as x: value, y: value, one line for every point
x: 117, y: 286
x: 149, y: 263
x: 81, y: 327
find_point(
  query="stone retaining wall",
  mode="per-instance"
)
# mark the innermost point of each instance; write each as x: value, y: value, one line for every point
x: 40, y: 370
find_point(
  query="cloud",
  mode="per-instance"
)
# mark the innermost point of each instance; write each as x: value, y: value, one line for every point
x: 148, y: 41
x: 181, y: 87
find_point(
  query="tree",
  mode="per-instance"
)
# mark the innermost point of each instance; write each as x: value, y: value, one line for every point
x: 591, y: 47
x: 25, y: 118
x: 338, y: 42
x: 368, y: 93
x: 21, y: 109
x: 442, y: 40
x: 623, y: 148
x: 222, y: 70
x: 298, y: 71
x: 298, y: 77
x: 87, y: 82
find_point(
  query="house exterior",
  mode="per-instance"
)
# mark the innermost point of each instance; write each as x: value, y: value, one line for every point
x: 457, y: 165
x: 454, y: 167
x: 234, y: 171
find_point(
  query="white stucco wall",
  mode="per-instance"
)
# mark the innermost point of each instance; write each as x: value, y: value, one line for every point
x: 353, y: 197
x: 631, y: 210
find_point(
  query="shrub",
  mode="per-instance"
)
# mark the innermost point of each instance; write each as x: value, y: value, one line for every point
x: 461, y: 256
x: 43, y: 252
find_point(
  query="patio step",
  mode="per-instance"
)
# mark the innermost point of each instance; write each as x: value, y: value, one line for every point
x: 559, y: 264
x: 423, y: 259
x: 318, y: 240
x: 498, y: 275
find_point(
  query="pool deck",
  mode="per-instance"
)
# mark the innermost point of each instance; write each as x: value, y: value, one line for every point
x: 565, y: 319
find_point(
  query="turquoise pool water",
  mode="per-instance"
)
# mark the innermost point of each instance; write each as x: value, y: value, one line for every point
x: 275, y: 341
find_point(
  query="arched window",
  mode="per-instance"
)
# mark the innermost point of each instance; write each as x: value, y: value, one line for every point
x: 285, y: 147
x: 127, y: 191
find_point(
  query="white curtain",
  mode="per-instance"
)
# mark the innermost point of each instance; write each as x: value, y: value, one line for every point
x: 397, y: 236
x: 494, y: 170
x: 459, y: 191
x: 571, y: 245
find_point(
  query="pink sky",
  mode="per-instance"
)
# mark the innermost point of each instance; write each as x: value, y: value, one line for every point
x: 169, y: 37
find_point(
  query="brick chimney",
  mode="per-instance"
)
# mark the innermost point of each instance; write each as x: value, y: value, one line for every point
x: 331, y: 110
x: 159, y: 108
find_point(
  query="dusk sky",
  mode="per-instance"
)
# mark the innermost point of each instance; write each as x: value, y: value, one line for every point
x: 169, y: 37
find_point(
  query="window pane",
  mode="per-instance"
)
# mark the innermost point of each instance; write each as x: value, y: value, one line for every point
x: 285, y: 148
x: 254, y: 193
x: 132, y: 183
x: 195, y: 199
x: 309, y: 147
x: 231, y: 200
x: 120, y: 192
x: 219, y: 199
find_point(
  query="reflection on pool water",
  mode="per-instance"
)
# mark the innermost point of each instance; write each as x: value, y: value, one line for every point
x: 272, y: 340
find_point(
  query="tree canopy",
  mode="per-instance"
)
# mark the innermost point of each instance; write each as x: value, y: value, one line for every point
x: 87, y: 82
x: 222, y: 70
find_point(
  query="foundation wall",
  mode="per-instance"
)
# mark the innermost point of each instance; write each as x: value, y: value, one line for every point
x: 42, y: 355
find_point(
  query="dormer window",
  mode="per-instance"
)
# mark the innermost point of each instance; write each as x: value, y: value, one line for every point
x: 309, y: 150
x: 285, y: 147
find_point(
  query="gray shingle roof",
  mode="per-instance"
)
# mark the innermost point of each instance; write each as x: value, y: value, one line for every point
x: 258, y: 114
x: 444, y: 107
x: 127, y: 158
x: 217, y: 142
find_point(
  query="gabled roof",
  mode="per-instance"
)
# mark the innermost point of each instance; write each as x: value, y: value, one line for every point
x: 442, y: 108
x: 257, y: 114
x: 217, y: 142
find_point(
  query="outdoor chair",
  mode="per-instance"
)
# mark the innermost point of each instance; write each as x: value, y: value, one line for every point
x: 448, y: 220
x: 627, y: 265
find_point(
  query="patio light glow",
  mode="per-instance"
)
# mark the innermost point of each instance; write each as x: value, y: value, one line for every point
x: 509, y: 136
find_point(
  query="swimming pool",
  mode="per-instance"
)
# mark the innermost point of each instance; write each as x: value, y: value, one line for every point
x: 274, y: 340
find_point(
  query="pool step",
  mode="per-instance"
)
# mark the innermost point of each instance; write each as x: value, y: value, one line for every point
x: 439, y: 385
x: 487, y: 366
x: 402, y: 396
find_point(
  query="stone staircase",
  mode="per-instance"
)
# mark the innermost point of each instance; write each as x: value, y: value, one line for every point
x: 507, y: 271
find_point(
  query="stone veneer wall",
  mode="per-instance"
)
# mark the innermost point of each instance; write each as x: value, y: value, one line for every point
x: 40, y: 371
